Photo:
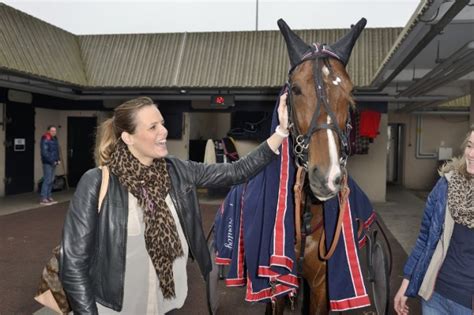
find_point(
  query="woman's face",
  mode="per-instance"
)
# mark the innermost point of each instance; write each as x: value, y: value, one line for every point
x: 149, y: 140
x: 469, y: 154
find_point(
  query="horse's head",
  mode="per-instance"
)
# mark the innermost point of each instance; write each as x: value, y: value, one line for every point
x: 319, y: 95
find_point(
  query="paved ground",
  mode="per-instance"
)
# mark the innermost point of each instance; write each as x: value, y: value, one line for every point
x: 27, y: 237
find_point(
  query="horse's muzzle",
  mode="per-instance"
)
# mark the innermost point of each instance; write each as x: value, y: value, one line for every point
x: 323, y: 185
x: 322, y: 192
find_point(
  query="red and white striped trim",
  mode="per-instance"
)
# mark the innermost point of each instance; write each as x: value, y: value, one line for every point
x: 237, y: 282
x: 222, y: 261
x: 351, y: 253
x: 349, y: 304
x: 278, y: 257
x: 289, y: 279
x: 367, y: 224
x: 267, y: 293
x: 370, y: 220
x: 361, y: 298
x: 281, y: 261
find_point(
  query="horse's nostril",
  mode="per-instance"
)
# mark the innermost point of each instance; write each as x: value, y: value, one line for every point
x: 337, y: 180
x: 316, y: 172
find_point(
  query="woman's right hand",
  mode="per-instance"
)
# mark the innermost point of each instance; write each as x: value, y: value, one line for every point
x: 283, y: 112
x: 400, y: 300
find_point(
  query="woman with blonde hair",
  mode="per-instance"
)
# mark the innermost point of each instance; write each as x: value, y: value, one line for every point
x: 131, y: 257
x: 440, y: 268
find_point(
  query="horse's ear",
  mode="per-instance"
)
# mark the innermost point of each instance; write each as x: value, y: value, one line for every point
x: 295, y: 45
x: 343, y: 47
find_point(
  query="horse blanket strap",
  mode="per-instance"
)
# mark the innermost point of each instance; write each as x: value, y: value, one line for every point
x: 343, y: 198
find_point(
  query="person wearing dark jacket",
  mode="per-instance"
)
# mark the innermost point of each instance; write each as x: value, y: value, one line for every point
x: 130, y: 258
x: 49, y: 148
x: 440, y: 268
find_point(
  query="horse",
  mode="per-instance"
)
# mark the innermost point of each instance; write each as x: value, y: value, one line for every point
x: 319, y: 98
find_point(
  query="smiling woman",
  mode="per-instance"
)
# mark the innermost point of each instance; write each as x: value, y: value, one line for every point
x: 149, y: 220
x: 148, y: 142
x: 440, y: 268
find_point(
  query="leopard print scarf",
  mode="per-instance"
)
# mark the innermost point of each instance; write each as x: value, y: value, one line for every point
x: 461, y: 199
x: 150, y: 185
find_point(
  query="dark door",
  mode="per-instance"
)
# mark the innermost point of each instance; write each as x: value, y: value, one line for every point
x: 19, y: 148
x: 80, y: 147
x: 394, y: 153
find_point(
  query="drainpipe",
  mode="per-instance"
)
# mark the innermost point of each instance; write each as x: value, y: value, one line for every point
x: 418, y: 153
x: 435, y: 29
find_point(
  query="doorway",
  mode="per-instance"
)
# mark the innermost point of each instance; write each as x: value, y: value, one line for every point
x: 19, y: 148
x: 80, y: 147
x: 394, y: 153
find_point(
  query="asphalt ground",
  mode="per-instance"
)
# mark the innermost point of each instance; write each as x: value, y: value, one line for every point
x: 27, y: 238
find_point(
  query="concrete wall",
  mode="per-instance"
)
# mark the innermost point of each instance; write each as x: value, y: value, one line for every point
x: 369, y: 171
x: 2, y: 150
x: 435, y: 131
x: 209, y: 125
x: 180, y: 148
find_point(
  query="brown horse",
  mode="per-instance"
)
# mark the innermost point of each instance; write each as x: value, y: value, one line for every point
x: 319, y: 97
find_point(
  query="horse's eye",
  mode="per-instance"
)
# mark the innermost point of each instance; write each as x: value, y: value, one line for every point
x: 296, y: 90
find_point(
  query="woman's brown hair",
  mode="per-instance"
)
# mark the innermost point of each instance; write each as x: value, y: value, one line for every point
x: 110, y: 130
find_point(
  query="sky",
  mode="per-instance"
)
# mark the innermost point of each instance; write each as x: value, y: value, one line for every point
x: 168, y: 16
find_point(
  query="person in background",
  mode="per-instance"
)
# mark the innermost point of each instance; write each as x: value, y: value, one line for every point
x: 131, y: 257
x: 49, y: 148
x: 440, y: 268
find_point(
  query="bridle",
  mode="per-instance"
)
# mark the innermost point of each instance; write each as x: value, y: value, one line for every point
x: 301, y: 141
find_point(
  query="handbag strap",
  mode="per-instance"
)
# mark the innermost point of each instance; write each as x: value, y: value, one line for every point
x: 103, y: 186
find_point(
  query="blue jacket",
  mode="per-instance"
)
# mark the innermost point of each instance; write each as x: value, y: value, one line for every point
x: 430, y: 232
x: 49, y: 149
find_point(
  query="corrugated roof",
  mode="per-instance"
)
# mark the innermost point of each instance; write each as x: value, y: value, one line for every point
x: 224, y: 59
x: 34, y: 47
x: 190, y: 60
x: 460, y: 102
x: 133, y: 60
x: 233, y: 59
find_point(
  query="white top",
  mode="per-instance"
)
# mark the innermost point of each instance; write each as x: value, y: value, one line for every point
x: 142, y: 293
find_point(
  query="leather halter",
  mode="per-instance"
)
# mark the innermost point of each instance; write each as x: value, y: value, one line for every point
x: 301, y: 141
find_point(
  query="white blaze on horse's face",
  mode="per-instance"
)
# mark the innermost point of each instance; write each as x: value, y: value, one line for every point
x: 334, y: 168
x: 325, y: 70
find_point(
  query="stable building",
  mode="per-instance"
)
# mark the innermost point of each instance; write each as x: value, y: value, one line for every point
x: 207, y: 85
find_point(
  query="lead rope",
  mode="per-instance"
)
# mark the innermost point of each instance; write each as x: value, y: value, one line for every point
x: 298, y: 187
x: 343, y: 198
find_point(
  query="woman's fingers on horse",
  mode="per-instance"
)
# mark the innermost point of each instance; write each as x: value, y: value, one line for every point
x: 282, y: 111
x: 283, y: 100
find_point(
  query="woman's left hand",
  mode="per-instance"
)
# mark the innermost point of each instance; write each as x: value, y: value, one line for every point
x: 283, y: 112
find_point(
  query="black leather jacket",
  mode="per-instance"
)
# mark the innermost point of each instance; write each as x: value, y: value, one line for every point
x: 93, y: 251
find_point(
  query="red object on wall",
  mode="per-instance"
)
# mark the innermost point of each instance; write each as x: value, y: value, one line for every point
x: 369, y: 123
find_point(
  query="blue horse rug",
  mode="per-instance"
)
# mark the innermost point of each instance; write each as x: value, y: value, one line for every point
x: 254, y: 235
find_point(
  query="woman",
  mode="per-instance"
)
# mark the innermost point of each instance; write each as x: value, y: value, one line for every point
x: 440, y: 268
x: 131, y: 257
